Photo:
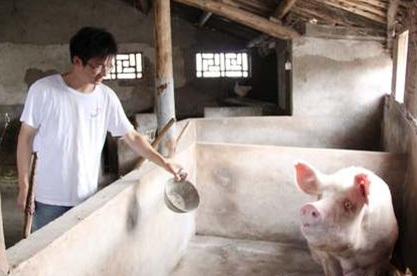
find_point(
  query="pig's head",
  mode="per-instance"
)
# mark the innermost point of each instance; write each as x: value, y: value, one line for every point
x: 332, y: 223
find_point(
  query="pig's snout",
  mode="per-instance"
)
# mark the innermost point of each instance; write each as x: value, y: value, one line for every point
x: 310, y: 215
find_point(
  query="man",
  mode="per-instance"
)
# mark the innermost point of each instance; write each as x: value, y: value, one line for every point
x: 65, y: 119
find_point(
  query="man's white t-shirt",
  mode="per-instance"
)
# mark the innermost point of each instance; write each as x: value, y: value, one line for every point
x: 71, y: 131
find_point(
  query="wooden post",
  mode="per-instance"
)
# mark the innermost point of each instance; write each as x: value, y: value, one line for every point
x: 391, y: 15
x: 27, y: 226
x: 4, y: 267
x: 204, y: 18
x: 164, y: 80
x: 284, y: 8
x: 143, y: 6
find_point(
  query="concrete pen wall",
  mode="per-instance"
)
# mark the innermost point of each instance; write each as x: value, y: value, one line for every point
x: 295, y: 131
x: 249, y: 191
x: 125, y: 229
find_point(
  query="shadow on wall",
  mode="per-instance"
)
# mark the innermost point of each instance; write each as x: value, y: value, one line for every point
x: 34, y: 74
x: 10, y: 121
x: 10, y: 126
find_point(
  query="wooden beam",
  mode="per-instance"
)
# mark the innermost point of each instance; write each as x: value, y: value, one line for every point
x: 365, y: 7
x: 329, y: 15
x: 261, y: 10
x: 391, y: 15
x: 203, y: 18
x: 143, y: 6
x: 257, y: 41
x: 375, y: 3
x: 243, y: 17
x: 284, y: 8
x: 164, y: 80
x: 4, y: 265
x: 316, y: 14
x: 337, y: 32
x: 261, y: 6
x: 343, y: 6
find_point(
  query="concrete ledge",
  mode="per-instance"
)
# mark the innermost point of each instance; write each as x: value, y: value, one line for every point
x: 294, y: 131
x: 233, y: 111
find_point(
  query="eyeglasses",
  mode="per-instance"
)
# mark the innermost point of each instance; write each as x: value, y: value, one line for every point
x: 99, y: 68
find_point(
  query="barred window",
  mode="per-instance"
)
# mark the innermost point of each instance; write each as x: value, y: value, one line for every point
x: 222, y: 65
x: 126, y: 66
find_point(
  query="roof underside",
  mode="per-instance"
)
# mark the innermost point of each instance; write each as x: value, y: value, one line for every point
x: 248, y: 19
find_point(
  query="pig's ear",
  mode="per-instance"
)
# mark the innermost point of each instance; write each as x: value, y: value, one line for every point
x: 362, y: 183
x: 306, y: 178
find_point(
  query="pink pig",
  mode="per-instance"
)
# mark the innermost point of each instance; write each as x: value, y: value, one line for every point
x: 351, y: 229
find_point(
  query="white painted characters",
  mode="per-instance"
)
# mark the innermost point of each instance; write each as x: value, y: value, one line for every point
x: 351, y: 229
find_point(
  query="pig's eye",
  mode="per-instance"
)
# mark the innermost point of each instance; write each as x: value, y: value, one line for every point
x: 348, y: 205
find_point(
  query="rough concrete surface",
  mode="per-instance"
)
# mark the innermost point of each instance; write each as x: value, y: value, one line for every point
x: 400, y: 136
x: 125, y: 229
x: 341, y: 79
x: 213, y: 256
x: 294, y: 131
x: 248, y: 191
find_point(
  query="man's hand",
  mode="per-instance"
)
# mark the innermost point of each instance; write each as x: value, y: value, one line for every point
x: 141, y: 146
x: 176, y: 170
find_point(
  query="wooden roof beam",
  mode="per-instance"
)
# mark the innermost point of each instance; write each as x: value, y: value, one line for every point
x: 391, y: 15
x: 243, y: 17
x: 257, y: 41
x: 343, y: 6
x: 375, y: 3
x: 284, y: 8
x: 143, y: 5
x: 339, y: 32
x: 311, y: 13
x: 204, y: 18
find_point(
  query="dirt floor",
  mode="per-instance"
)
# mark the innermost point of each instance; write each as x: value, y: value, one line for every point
x: 214, y: 256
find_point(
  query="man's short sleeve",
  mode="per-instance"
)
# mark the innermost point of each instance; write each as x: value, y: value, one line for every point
x: 119, y: 124
x: 32, y: 111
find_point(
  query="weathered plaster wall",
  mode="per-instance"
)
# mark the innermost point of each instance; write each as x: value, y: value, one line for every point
x: 248, y: 191
x: 399, y: 133
x: 126, y: 229
x: 341, y: 78
x: 34, y: 37
x: 410, y: 95
x: 294, y: 131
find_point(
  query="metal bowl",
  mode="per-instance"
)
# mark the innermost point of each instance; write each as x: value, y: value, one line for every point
x: 181, y: 196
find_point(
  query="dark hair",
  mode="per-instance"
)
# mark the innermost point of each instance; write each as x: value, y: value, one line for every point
x: 90, y: 42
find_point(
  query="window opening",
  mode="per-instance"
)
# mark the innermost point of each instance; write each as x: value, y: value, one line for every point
x: 222, y: 65
x: 126, y: 66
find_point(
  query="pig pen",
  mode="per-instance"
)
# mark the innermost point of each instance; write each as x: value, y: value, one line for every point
x: 247, y: 222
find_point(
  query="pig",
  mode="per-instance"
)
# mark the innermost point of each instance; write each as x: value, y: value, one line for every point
x: 351, y: 229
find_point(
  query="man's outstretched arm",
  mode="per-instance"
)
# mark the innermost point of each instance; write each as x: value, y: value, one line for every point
x: 141, y: 146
